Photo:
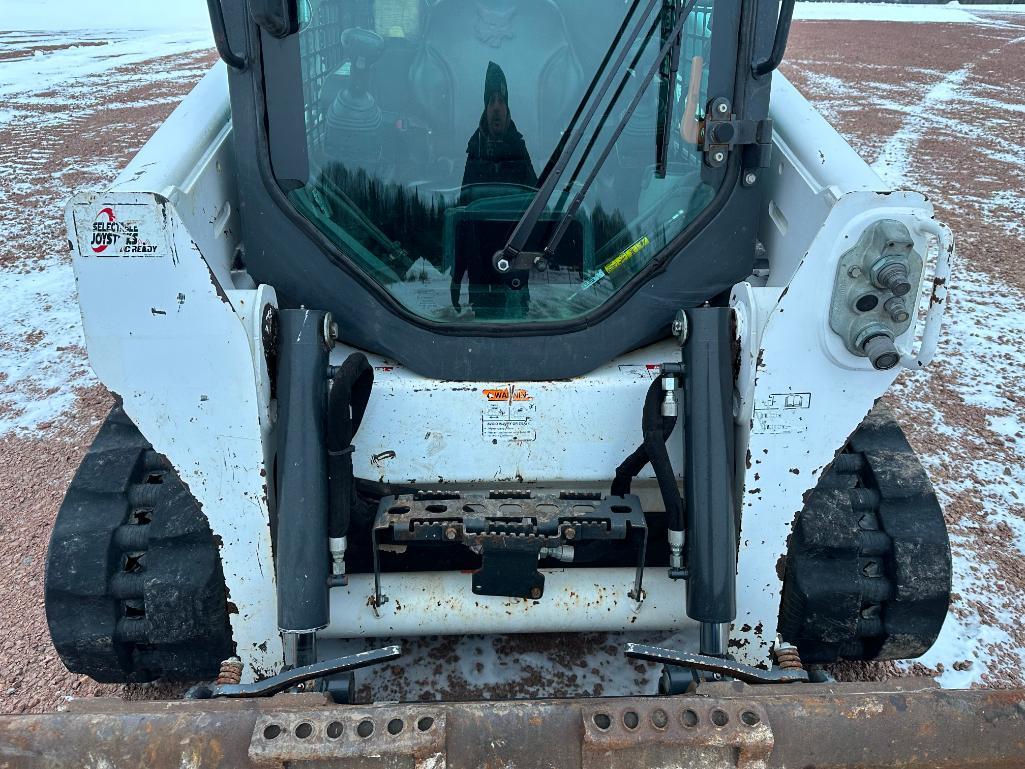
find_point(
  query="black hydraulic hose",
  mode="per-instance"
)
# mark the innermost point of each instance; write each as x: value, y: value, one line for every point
x: 656, y: 430
x: 633, y: 464
x: 347, y: 402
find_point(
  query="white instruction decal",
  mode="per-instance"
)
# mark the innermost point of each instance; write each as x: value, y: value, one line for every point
x: 508, y: 415
x: 782, y: 413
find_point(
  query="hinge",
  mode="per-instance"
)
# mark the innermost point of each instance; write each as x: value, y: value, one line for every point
x: 720, y: 132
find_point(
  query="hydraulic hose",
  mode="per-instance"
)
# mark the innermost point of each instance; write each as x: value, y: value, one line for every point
x: 656, y: 430
x: 347, y: 402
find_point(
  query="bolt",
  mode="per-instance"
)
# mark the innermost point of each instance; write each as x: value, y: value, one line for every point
x: 535, y: 592
x: 503, y: 265
x: 719, y: 157
x: 854, y: 272
x: 677, y: 327
x: 569, y: 532
x: 722, y: 107
x: 451, y: 533
x: 329, y: 331
x: 750, y: 178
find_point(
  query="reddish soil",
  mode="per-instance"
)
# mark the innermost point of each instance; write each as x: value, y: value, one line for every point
x: 874, y: 64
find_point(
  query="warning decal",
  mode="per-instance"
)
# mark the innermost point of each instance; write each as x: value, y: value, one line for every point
x: 125, y: 230
x: 508, y: 415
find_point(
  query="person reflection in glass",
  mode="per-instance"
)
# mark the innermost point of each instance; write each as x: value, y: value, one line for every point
x: 496, y: 156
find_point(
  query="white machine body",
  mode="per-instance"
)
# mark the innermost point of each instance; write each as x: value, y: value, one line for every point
x: 178, y: 335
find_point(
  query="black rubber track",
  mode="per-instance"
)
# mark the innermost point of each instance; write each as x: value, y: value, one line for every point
x: 868, y: 567
x: 134, y: 587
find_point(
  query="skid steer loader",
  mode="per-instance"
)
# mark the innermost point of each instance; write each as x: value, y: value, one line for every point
x: 505, y: 316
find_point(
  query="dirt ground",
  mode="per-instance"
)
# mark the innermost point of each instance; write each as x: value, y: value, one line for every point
x: 945, y: 119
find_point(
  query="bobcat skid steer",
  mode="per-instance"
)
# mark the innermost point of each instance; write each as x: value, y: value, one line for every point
x: 439, y: 317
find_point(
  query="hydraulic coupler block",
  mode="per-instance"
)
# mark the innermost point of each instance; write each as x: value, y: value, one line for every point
x: 873, y: 296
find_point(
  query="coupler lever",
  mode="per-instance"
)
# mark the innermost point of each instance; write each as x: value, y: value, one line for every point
x: 289, y: 678
x: 721, y: 665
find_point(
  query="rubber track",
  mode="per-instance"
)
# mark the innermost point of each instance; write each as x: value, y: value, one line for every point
x: 134, y: 586
x: 868, y: 567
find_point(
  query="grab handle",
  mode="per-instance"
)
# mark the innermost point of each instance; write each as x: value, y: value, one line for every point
x: 230, y: 58
x: 779, y: 42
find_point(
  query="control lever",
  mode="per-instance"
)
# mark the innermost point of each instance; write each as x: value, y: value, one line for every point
x: 289, y: 678
x: 725, y: 667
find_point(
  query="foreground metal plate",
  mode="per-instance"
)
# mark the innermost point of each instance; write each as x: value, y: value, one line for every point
x: 904, y: 724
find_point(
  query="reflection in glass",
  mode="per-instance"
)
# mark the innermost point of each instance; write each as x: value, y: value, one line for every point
x: 428, y: 123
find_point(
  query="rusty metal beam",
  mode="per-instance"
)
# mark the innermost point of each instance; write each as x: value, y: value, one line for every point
x: 903, y: 724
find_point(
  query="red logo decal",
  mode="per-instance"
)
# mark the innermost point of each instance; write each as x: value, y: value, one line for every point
x: 104, y: 232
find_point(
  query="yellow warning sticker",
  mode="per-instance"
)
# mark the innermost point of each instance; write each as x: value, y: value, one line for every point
x: 630, y: 252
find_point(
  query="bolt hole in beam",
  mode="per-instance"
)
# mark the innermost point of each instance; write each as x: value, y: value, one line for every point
x: 425, y: 723
x: 272, y: 732
x: 365, y: 728
x: 659, y: 719
x: 630, y: 719
x: 395, y: 726
x: 720, y: 717
x: 750, y: 718
x: 602, y: 720
x: 689, y: 718
x: 304, y: 730
x: 334, y: 730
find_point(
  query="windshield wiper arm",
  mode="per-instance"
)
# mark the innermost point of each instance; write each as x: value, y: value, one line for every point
x: 585, y: 99
x: 525, y: 226
x: 502, y: 261
x: 667, y: 94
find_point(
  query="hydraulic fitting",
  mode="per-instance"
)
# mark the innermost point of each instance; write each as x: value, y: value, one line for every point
x: 669, y: 403
x: 897, y: 309
x: 676, y: 540
x: 881, y: 351
x: 892, y: 274
x: 562, y: 553
x: 337, y: 545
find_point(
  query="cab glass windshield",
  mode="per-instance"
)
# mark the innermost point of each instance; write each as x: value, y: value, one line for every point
x: 430, y: 125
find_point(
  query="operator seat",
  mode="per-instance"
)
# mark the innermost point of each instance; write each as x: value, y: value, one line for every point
x: 527, y: 39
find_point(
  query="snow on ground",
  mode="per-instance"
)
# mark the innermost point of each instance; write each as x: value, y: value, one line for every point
x: 965, y: 415
x: 951, y: 13
x: 108, y: 16
x: 56, y: 90
x: 74, y: 107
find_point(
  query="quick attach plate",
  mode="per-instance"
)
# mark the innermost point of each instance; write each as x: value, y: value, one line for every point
x: 511, y: 531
